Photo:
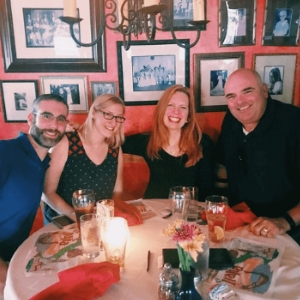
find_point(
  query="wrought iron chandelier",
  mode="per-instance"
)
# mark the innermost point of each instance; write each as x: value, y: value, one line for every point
x: 135, y: 17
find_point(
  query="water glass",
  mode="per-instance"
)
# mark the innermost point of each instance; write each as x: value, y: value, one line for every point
x: 216, y: 208
x: 192, y: 214
x: 105, y: 208
x: 90, y: 235
x: 179, y: 196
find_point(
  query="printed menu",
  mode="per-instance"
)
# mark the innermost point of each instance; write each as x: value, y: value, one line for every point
x: 55, y: 250
x: 254, y: 270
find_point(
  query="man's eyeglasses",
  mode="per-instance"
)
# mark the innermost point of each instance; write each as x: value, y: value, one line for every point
x: 110, y: 116
x: 49, y: 117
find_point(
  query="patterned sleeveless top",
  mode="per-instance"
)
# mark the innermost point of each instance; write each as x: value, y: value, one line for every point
x: 81, y: 173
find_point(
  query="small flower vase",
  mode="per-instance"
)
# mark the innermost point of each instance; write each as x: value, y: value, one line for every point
x: 187, y: 290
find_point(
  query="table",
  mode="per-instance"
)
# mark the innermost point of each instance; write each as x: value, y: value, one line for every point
x: 138, y: 284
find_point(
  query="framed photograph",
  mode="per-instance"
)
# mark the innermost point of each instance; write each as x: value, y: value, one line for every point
x: 278, y: 72
x: 282, y: 23
x: 17, y: 98
x: 180, y: 12
x: 99, y: 88
x: 237, y: 22
x: 34, y: 39
x: 150, y: 69
x: 211, y: 73
x: 73, y: 89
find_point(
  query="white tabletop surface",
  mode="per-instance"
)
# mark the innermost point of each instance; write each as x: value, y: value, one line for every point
x: 138, y: 284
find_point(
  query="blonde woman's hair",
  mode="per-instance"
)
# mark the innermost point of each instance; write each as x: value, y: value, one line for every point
x: 190, y: 133
x: 102, y: 102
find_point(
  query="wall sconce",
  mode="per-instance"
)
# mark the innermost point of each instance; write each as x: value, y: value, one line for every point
x: 136, y: 17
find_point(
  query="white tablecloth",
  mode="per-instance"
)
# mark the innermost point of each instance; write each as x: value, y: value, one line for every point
x: 138, y: 284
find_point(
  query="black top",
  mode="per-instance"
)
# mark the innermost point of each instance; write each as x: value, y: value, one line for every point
x: 263, y: 167
x: 169, y: 171
x: 81, y: 173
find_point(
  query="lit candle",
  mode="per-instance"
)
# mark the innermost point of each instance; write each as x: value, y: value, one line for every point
x: 70, y: 8
x: 199, y: 14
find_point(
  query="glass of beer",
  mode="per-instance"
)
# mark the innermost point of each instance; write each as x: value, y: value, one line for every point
x: 83, y: 203
x: 216, y: 208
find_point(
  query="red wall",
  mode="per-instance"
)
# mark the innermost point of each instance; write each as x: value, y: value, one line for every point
x: 139, y: 117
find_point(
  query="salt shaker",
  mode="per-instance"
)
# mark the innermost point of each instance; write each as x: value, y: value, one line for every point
x: 168, y: 281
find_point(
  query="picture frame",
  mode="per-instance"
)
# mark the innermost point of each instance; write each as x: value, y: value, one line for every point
x: 21, y: 21
x: 72, y: 88
x: 211, y: 73
x: 237, y: 22
x: 179, y: 16
x: 17, y: 99
x: 278, y: 71
x: 102, y: 87
x: 282, y: 23
x: 150, y: 69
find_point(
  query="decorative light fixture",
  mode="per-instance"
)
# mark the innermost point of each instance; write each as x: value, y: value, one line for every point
x: 136, y: 17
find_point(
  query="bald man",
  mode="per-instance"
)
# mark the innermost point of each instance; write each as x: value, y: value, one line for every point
x: 259, y: 146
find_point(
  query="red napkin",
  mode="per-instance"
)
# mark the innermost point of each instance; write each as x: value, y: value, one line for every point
x: 83, y: 282
x: 239, y: 215
x: 128, y: 212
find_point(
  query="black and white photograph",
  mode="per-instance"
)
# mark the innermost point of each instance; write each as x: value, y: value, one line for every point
x: 278, y: 72
x: 70, y: 92
x: 34, y: 39
x: 43, y: 27
x: 237, y: 22
x: 281, y: 27
x: 179, y: 14
x: 72, y: 88
x: 154, y: 72
x: 282, y: 21
x: 100, y: 88
x: 183, y: 9
x: 273, y: 76
x: 17, y: 97
x: 148, y: 69
x: 218, y: 79
x: 20, y: 101
x: 211, y: 73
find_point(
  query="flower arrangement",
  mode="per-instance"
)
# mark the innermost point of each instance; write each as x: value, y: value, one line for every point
x: 189, y: 240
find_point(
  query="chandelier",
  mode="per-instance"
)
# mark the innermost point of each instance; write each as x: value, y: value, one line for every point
x: 136, y: 17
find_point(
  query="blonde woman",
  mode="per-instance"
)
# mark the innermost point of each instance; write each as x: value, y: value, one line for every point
x: 176, y: 152
x: 89, y: 157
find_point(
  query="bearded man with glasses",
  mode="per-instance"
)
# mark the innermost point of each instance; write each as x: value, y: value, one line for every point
x: 23, y: 163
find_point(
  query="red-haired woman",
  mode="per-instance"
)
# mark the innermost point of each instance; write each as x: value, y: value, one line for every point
x: 176, y: 152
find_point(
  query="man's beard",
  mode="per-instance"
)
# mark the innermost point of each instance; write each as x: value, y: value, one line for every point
x: 40, y: 139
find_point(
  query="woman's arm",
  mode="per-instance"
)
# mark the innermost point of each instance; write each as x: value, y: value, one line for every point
x: 59, y: 155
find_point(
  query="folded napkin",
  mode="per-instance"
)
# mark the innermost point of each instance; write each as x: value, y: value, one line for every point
x: 128, y: 212
x: 83, y: 282
x: 237, y: 215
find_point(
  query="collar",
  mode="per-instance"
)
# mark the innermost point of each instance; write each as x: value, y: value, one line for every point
x: 25, y: 144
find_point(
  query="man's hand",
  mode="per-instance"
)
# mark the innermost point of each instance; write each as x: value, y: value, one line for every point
x: 72, y: 126
x: 269, y: 227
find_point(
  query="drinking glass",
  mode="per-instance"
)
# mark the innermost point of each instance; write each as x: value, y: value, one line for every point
x: 216, y: 208
x: 192, y: 214
x: 179, y: 196
x: 105, y: 208
x: 115, y: 234
x: 83, y: 202
x: 90, y: 235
